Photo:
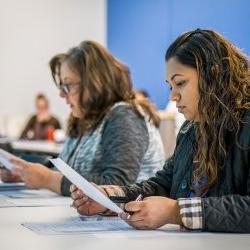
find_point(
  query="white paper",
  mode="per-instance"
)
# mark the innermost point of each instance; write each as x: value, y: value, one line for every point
x: 34, y: 202
x: 5, y: 203
x: 85, y: 186
x: 29, y: 193
x: 5, y: 158
x: 99, y: 226
x: 79, y: 225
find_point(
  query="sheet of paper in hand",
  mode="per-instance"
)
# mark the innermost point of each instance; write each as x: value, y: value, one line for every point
x: 90, y: 190
x: 5, y: 158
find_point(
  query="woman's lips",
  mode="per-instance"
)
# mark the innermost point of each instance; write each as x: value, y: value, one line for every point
x: 181, y: 109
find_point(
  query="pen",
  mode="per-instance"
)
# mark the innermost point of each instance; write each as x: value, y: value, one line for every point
x: 119, y: 199
x: 139, y: 198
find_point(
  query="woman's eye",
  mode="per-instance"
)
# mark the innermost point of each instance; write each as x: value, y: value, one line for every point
x: 180, y: 83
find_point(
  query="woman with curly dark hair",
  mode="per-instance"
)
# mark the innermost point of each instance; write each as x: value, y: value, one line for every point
x: 112, y: 138
x: 205, y: 185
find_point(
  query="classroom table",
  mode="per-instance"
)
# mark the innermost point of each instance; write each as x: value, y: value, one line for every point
x: 13, y: 236
x: 41, y: 147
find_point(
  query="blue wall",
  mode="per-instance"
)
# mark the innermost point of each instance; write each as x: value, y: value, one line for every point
x: 139, y: 31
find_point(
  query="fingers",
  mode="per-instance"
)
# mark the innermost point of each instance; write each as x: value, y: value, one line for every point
x: 72, y: 188
x: 19, y: 162
x: 77, y: 194
x: 134, y: 206
x: 21, y: 165
x: 136, y: 220
x: 5, y: 174
x: 22, y: 172
x: 134, y: 211
x: 8, y: 176
x: 79, y: 198
x: 80, y: 202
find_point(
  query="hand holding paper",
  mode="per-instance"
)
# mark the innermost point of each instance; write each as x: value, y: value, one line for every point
x: 5, y: 159
x: 85, y: 186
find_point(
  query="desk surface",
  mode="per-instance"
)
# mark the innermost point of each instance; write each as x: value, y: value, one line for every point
x: 37, y: 146
x: 13, y: 236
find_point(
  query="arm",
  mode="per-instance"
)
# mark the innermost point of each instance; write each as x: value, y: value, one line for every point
x: 55, y: 123
x: 159, y: 185
x: 38, y: 176
x: 154, y: 186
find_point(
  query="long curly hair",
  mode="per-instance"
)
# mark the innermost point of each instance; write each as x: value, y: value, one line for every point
x: 104, y: 81
x: 224, y: 91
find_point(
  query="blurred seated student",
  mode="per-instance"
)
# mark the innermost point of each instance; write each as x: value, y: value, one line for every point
x: 38, y: 125
x: 205, y: 185
x: 112, y: 138
x: 179, y: 118
x: 143, y: 95
x: 171, y: 112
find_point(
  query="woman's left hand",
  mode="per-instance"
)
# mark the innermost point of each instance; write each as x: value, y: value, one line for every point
x: 33, y: 174
x: 151, y: 213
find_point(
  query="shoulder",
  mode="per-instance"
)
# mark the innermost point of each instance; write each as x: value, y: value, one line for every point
x: 186, y: 128
x: 123, y: 117
x: 32, y: 119
x: 122, y: 108
x: 54, y: 119
x: 124, y: 112
x: 186, y: 134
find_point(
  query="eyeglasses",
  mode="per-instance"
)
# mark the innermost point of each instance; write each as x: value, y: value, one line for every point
x: 67, y: 88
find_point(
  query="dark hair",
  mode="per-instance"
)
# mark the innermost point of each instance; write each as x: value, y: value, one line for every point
x: 224, y: 91
x: 104, y: 82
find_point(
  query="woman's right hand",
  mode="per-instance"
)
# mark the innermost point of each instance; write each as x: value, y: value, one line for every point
x: 85, y: 205
x: 7, y: 176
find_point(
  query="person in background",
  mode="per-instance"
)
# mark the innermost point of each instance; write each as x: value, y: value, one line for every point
x: 38, y: 126
x: 172, y: 111
x: 142, y: 94
x: 112, y: 138
x: 205, y: 185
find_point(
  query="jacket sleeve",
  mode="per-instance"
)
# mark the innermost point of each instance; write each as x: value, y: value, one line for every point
x: 226, y: 214
x: 158, y: 185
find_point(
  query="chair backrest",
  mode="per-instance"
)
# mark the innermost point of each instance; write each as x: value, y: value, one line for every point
x: 168, y: 136
x: 11, y: 126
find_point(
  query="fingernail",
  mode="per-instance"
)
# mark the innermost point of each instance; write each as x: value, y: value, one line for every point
x: 128, y: 217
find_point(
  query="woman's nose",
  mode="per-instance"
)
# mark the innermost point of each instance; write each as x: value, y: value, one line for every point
x: 175, y: 96
x: 62, y: 94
